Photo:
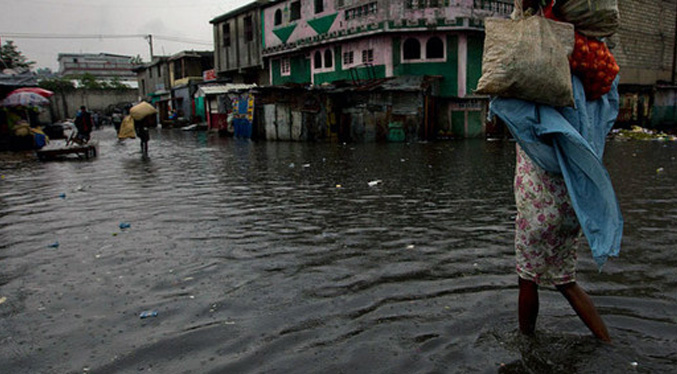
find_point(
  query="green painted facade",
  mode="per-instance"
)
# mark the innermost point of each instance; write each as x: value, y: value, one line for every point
x: 323, y: 24
x: 447, y: 69
x: 283, y: 33
x: 300, y: 71
x: 475, y: 122
x: 339, y: 73
x: 474, y: 62
x: 663, y: 114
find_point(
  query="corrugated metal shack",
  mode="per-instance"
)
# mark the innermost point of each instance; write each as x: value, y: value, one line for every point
x: 390, y: 109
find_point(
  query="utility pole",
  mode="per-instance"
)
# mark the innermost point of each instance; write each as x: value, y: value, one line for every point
x: 674, y: 52
x: 150, y: 43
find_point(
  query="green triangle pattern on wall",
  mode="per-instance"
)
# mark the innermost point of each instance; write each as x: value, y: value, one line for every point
x: 284, y: 32
x: 323, y: 24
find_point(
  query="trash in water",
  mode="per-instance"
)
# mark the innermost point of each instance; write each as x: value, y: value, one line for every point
x: 125, y: 225
x: 54, y: 245
x: 660, y: 170
x: 3, y: 299
x: 115, y: 234
x: 63, y: 195
x: 306, y: 165
x: 148, y: 314
x: 291, y: 166
x: 338, y: 186
x: 634, y: 364
x: 374, y: 183
x: 410, y: 246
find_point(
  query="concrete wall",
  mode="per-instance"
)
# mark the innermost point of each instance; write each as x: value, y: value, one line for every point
x: 66, y: 105
x: 644, y: 44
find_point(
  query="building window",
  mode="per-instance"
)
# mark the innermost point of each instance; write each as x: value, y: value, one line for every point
x: 278, y: 17
x: 159, y: 71
x: 295, y: 11
x: 248, y: 29
x: 411, y: 49
x: 226, y: 34
x: 328, y: 58
x: 421, y: 4
x: 75, y: 60
x: 367, y: 56
x: 348, y: 58
x: 319, y: 6
x: 177, y: 70
x: 285, y: 67
x: 361, y: 11
x: 150, y: 72
x: 434, y: 48
x: 317, y: 60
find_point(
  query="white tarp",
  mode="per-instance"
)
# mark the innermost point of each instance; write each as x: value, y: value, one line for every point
x: 216, y: 89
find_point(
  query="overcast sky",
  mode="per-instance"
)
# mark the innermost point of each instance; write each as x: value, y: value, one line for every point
x: 176, y: 25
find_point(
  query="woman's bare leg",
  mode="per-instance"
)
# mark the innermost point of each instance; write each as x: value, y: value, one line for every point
x: 584, y: 307
x: 528, y: 306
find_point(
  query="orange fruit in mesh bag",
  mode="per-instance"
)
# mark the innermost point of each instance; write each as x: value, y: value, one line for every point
x: 594, y: 64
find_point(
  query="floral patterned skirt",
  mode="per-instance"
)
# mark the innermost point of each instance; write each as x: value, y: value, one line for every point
x: 547, y: 231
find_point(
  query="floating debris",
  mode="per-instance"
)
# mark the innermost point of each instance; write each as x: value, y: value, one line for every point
x: 54, y: 245
x: 148, y: 314
x: 62, y: 195
x: 640, y: 133
x: 125, y: 225
x: 3, y: 299
x: 374, y: 183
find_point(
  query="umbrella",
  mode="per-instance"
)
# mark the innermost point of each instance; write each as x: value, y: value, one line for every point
x: 40, y: 91
x: 24, y: 99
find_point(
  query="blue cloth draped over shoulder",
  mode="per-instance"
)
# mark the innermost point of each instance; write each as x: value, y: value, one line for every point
x: 570, y: 141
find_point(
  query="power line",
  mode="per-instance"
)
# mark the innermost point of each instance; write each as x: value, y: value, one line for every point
x: 101, y: 36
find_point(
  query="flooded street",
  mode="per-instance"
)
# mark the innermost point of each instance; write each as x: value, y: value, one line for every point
x: 264, y: 257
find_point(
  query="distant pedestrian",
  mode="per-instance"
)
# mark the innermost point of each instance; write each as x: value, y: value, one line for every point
x: 84, y: 124
x: 144, y: 115
x: 116, y: 118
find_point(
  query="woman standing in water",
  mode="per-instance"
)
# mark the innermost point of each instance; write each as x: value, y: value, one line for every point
x: 560, y: 181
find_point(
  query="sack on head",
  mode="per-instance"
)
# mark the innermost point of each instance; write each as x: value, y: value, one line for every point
x: 142, y: 110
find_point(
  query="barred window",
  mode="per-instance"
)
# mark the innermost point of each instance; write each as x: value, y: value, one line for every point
x: 411, y: 49
x: 328, y: 59
x: 278, y: 17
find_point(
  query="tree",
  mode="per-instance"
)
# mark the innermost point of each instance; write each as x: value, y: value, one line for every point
x: 89, y: 82
x: 12, y: 58
x: 60, y: 85
x: 136, y: 60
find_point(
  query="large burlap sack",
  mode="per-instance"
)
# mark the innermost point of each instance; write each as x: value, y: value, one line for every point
x: 592, y: 18
x: 127, y: 128
x: 142, y: 110
x: 527, y: 58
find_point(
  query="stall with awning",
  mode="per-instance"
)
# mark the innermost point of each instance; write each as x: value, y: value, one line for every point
x: 218, y: 102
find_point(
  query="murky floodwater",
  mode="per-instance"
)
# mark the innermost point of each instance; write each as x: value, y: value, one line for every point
x: 256, y: 262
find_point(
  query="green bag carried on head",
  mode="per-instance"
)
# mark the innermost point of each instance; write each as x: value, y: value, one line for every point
x: 527, y: 58
x: 592, y: 18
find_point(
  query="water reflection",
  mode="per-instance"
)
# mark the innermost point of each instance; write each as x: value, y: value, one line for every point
x: 280, y: 257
